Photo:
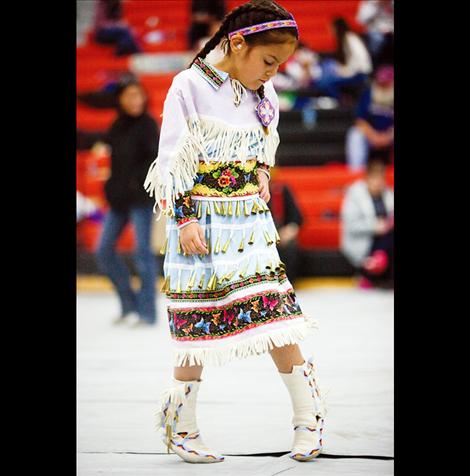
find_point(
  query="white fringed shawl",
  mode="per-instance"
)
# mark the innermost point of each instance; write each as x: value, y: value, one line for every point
x: 203, y: 123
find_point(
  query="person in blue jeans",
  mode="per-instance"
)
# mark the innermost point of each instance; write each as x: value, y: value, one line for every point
x: 133, y: 142
x: 373, y: 130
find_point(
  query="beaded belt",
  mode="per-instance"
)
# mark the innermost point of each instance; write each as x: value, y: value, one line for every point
x: 221, y: 180
x: 226, y: 180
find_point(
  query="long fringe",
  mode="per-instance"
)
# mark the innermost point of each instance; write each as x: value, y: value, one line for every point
x: 232, y: 143
x: 255, y: 345
x: 179, y: 176
x: 167, y: 412
x: 317, y: 394
x: 171, y: 398
x: 227, y: 143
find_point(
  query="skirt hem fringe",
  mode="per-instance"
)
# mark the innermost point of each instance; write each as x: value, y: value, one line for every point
x: 255, y: 345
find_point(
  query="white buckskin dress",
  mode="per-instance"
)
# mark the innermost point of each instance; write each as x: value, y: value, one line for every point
x: 236, y: 301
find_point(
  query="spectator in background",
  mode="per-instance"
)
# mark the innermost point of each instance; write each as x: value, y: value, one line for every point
x: 296, y: 84
x: 367, y: 226
x: 351, y: 64
x: 301, y: 69
x: 204, y: 13
x: 133, y: 140
x: 373, y: 131
x: 378, y: 17
x: 87, y: 208
x: 110, y: 28
x: 287, y: 218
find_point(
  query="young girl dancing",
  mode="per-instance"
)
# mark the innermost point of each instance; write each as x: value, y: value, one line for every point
x: 229, y: 296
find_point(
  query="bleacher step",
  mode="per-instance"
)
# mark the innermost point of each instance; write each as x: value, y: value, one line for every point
x: 321, y: 133
x: 309, y: 153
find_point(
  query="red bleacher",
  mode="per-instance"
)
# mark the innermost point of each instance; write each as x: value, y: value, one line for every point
x: 170, y: 18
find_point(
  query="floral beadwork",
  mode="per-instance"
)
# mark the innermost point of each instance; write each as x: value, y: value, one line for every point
x: 185, y: 209
x: 218, y: 179
x: 244, y: 313
x: 227, y: 179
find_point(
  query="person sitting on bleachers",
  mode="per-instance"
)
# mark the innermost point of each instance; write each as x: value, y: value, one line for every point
x: 377, y: 16
x: 288, y: 218
x: 373, y: 130
x: 295, y: 83
x: 205, y: 14
x: 350, y: 66
x: 367, y: 226
x: 300, y: 69
x: 111, y: 28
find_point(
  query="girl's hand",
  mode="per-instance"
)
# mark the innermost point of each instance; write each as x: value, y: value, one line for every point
x: 192, y: 239
x: 263, y: 183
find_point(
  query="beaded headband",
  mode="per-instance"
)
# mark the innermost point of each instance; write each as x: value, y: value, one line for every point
x: 265, y: 26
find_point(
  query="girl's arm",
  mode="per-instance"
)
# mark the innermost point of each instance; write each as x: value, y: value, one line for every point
x: 172, y: 174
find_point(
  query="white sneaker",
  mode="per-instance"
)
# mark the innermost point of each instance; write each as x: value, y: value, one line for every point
x: 128, y: 318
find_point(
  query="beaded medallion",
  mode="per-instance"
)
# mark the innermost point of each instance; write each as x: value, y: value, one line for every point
x: 265, y: 111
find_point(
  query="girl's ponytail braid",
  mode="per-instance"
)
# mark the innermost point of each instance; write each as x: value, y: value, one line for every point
x: 211, y: 44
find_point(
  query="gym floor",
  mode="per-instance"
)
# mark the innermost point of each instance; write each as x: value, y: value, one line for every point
x: 244, y: 410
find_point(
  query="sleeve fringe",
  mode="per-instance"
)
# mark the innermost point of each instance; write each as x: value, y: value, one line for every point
x: 211, y: 141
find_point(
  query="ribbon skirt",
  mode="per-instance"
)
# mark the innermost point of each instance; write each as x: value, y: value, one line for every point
x: 236, y: 301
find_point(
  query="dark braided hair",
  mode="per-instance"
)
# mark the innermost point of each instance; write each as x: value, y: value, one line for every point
x: 248, y: 14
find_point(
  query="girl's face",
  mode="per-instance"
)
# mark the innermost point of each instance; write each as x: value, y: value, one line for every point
x: 256, y: 65
x: 132, y: 100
